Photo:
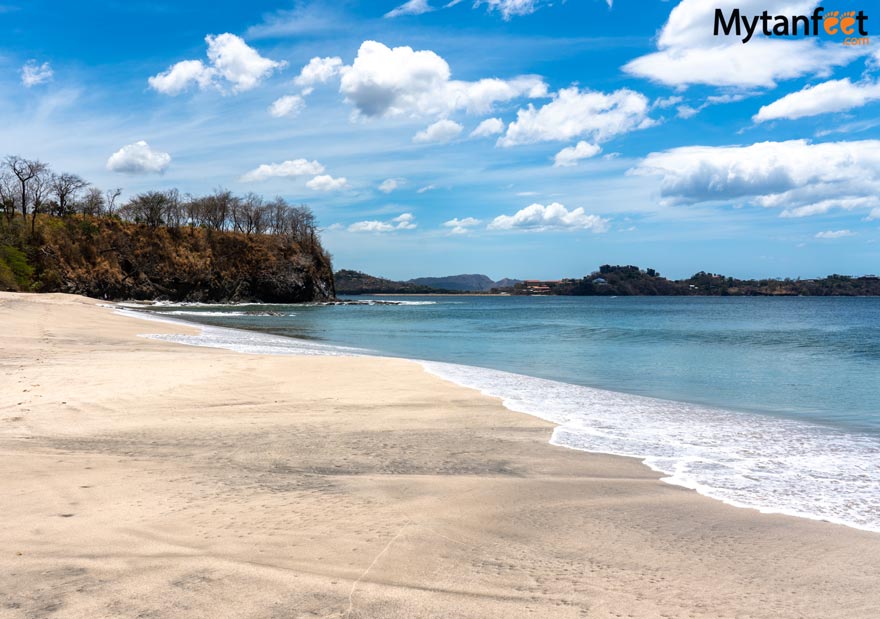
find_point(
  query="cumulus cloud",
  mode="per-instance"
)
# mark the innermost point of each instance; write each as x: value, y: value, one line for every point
x: 292, y: 168
x: 574, y: 113
x: 834, y: 234
x: 179, y: 76
x: 318, y: 71
x: 231, y: 62
x: 824, y: 98
x: 325, y: 182
x: 797, y: 176
x: 403, y: 82
x: 290, y: 105
x: 426, y: 188
x: 689, y: 53
x: 404, y: 221
x: 33, y: 74
x: 489, y: 127
x: 390, y: 184
x: 461, y: 226
x: 411, y: 7
x: 441, y: 131
x: 571, y: 155
x: 554, y: 216
x: 138, y: 158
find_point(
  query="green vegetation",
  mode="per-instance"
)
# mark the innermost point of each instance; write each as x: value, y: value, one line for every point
x: 631, y: 280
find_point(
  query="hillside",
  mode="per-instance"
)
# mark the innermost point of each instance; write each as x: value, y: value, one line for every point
x: 355, y: 282
x: 458, y: 283
x: 631, y: 280
x: 107, y: 258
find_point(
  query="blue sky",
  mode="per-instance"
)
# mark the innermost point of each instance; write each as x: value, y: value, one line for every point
x: 516, y: 138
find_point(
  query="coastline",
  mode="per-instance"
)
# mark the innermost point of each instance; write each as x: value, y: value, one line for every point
x: 150, y: 477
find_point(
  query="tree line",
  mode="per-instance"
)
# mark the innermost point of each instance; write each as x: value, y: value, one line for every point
x: 31, y: 188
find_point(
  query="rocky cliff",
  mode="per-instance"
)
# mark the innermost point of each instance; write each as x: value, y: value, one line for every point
x: 113, y: 259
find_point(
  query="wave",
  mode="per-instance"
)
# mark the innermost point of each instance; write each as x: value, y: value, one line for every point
x: 766, y: 463
x: 771, y: 464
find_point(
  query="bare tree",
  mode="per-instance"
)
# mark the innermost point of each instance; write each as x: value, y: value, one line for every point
x: 65, y: 187
x: 7, y: 194
x: 39, y: 187
x: 110, y: 198
x: 25, y: 170
x: 92, y: 203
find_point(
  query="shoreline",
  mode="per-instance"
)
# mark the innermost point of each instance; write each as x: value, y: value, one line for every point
x: 814, y: 436
x: 372, y: 486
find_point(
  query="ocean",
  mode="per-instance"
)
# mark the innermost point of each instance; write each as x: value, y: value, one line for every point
x: 767, y: 403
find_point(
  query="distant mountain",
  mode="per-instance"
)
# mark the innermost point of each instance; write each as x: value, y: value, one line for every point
x: 464, y: 283
x: 507, y: 283
x: 355, y: 282
x: 459, y: 283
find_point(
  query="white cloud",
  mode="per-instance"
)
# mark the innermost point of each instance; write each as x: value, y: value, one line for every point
x: 179, y: 76
x: 554, y: 216
x: 403, y: 82
x: 490, y: 126
x: 390, y: 184
x: 571, y: 155
x: 370, y: 226
x: 513, y: 8
x: 411, y: 7
x: 573, y: 114
x: 824, y: 98
x: 426, y: 188
x: 231, y: 61
x: 138, y: 158
x: 238, y: 63
x: 291, y: 169
x: 834, y: 234
x: 796, y: 176
x: 665, y: 102
x: 33, y: 74
x: 290, y: 105
x: 441, y: 131
x: 405, y: 221
x: 689, y: 53
x: 318, y: 71
x: 461, y: 226
x: 325, y: 182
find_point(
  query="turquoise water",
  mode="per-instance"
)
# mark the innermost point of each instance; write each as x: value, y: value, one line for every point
x: 771, y: 403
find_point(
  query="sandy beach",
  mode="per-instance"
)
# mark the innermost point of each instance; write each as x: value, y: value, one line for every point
x: 147, y: 479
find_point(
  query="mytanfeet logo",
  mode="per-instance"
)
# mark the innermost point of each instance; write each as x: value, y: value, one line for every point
x: 849, y: 26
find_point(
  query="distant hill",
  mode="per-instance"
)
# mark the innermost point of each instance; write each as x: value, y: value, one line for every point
x: 507, y: 283
x: 464, y: 283
x: 460, y: 283
x: 355, y: 282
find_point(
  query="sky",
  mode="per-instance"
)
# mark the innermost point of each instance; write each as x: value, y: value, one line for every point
x: 515, y: 138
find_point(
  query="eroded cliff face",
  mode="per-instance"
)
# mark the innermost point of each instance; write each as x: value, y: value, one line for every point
x: 107, y: 258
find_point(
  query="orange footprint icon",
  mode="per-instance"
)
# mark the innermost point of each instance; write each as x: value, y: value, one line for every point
x: 830, y: 22
x: 847, y: 21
